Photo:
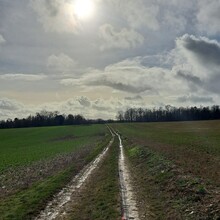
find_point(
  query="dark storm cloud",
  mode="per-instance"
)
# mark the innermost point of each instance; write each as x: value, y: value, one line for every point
x: 205, y: 50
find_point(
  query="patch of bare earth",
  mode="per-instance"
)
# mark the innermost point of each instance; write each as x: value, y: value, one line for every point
x: 201, y: 164
x: 65, y: 138
x: 166, y: 190
x: 16, y: 179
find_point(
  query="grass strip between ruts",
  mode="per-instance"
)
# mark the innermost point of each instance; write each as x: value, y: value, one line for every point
x: 100, y: 199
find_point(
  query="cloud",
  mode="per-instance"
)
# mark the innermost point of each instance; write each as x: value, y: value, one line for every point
x: 56, y: 15
x: 206, y: 51
x: 130, y: 76
x: 208, y: 16
x: 203, y: 55
x: 123, y: 39
x: 69, y: 82
x: 195, y: 99
x: 176, y: 22
x: 2, y: 40
x: 84, y: 101
x: 189, y: 77
x: 134, y: 98
x: 89, y: 108
x: 10, y: 108
x: 137, y: 13
x: 7, y: 104
x: 23, y: 77
x: 61, y: 63
x: 122, y: 86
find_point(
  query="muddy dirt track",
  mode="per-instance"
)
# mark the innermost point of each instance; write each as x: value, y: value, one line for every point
x: 56, y: 209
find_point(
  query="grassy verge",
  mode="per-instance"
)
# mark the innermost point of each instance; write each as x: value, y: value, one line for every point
x: 100, y: 199
x: 27, y: 203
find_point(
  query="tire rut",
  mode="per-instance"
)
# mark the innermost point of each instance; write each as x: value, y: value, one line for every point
x: 56, y: 207
x: 129, y: 204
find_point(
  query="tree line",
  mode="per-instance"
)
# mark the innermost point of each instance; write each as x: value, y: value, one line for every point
x: 169, y: 113
x: 47, y: 118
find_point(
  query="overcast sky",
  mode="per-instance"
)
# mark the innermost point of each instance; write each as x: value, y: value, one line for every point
x: 107, y: 55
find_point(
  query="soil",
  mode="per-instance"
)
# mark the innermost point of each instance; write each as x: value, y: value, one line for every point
x: 129, y: 205
x: 65, y: 138
x: 167, y: 191
x: 16, y: 179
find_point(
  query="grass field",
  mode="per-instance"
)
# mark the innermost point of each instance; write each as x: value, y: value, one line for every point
x: 175, y: 167
x: 38, y: 162
x: 27, y: 145
x: 193, y: 145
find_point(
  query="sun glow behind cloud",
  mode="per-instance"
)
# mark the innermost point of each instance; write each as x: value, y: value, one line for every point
x: 84, y: 8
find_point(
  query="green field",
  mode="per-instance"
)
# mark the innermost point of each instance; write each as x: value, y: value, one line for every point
x: 27, y: 145
x: 175, y: 167
x: 35, y: 163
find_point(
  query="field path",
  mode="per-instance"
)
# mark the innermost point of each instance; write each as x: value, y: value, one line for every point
x: 129, y: 205
x: 56, y: 207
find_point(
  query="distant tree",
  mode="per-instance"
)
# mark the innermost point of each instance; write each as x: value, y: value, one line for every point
x: 59, y: 119
x: 79, y: 119
x: 169, y: 113
x: 120, y: 116
x: 70, y: 119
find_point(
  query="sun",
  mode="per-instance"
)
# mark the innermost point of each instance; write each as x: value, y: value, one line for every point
x: 83, y: 8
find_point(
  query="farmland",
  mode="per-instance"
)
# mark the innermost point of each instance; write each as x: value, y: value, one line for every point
x: 24, y: 146
x: 173, y: 170
x: 38, y: 162
x: 175, y: 167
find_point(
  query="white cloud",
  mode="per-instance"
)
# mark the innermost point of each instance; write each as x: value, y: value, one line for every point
x: 138, y: 14
x: 61, y: 63
x: 124, y: 38
x: 56, y: 15
x: 130, y: 76
x: 84, y: 101
x: 10, y: 108
x: 89, y: 108
x: 23, y: 77
x: 195, y: 99
x: 7, y: 104
x: 175, y: 22
x: 208, y: 16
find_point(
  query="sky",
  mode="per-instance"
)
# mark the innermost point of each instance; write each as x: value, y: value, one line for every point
x: 97, y: 57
